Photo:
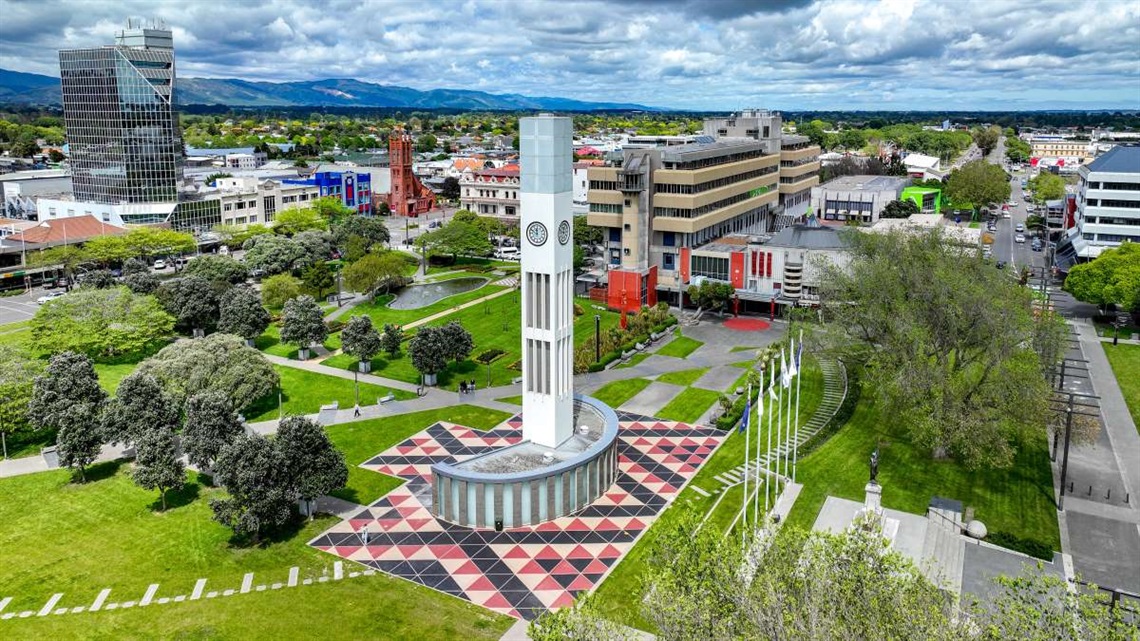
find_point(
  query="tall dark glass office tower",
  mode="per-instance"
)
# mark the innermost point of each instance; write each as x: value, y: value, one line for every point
x: 123, y: 133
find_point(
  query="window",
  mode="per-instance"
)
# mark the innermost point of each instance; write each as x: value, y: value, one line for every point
x: 668, y: 261
x: 615, y: 235
x: 710, y: 267
x: 603, y: 208
x: 1120, y: 186
x: 626, y: 227
x: 669, y: 239
x: 1126, y: 204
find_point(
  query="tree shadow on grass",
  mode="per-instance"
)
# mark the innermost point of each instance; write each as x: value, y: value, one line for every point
x: 100, y: 471
x: 287, y: 532
x: 178, y: 498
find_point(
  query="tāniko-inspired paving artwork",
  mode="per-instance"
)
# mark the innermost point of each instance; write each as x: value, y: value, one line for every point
x: 523, y: 571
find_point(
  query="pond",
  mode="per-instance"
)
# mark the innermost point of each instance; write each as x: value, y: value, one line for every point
x: 418, y: 296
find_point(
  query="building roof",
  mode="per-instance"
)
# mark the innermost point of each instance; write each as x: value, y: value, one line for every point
x: 699, y: 150
x: 35, y: 174
x: 867, y: 183
x: 808, y: 237
x: 1121, y: 159
x: 464, y: 163
x: 920, y: 160
x: 72, y: 229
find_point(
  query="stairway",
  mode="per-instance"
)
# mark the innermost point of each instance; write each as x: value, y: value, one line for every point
x: 944, y: 549
x: 834, y: 392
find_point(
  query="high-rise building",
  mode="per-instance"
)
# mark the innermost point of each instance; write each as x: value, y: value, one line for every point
x: 122, y: 130
x: 1106, y: 210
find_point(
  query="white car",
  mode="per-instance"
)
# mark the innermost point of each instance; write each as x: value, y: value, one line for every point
x: 1020, y: 238
x: 1019, y: 228
x: 160, y: 264
x: 49, y: 296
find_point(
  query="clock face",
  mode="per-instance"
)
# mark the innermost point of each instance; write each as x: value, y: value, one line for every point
x: 564, y: 232
x: 536, y: 233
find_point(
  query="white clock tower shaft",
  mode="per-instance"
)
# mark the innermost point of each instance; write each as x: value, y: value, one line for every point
x: 547, y: 273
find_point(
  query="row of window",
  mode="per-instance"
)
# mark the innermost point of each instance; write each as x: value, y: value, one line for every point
x: 1109, y: 238
x: 1117, y: 186
x: 678, y: 212
x: 671, y: 188
x: 715, y: 161
x: 605, y: 208
x: 710, y: 267
x: 1105, y: 202
x: 1101, y: 220
x: 849, y: 205
x: 607, y: 185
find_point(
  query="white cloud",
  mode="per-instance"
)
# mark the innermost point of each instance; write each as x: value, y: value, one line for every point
x: 843, y: 54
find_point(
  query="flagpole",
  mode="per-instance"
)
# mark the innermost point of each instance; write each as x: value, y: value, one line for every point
x: 768, y: 467
x: 779, y: 424
x: 756, y: 466
x: 788, y: 428
x: 747, y: 434
x: 799, y: 374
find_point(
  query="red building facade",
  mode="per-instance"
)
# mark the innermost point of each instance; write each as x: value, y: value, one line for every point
x: 408, y: 196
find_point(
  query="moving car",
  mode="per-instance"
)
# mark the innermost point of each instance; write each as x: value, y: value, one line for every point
x: 1019, y: 227
x: 1037, y: 246
x: 1020, y: 238
x: 49, y: 296
x: 160, y: 264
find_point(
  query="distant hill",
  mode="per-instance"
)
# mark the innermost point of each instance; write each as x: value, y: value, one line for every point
x: 30, y: 88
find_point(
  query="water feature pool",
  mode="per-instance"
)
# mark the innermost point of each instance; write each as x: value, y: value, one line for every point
x: 418, y: 296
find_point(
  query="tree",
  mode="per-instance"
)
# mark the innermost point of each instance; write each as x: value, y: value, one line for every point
x: 899, y: 209
x: 946, y: 341
x: 1113, y: 278
x: 584, y: 621
x: 332, y: 209
x: 360, y: 339
x: 65, y: 258
x: 236, y: 235
x: 18, y: 371
x: 219, y: 362
x: 977, y: 183
x: 456, y: 238
x: 585, y: 233
x: 193, y: 301
x: 354, y: 249
x: 211, y: 424
x: 851, y: 139
x: 217, y: 267
x: 240, y: 313
x: 986, y: 139
x: 157, y: 462
x: 711, y: 294
x: 458, y: 340
x: 1016, y: 149
x: 101, y: 323
x: 298, y: 219
x: 303, y: 323
x: 373, y: 271
x: 372, y: 231
x: 25, y: 148
x: 391, y: 339
x: 429, y: 351
x: 317, y: 277
x: 134, y: 266
x: 450, y: 188
x: 1046, y: 186
x: 140, y: 405
x: 146, y: 242
x: 277, y: 290
x: 67, y: 399
x: 251, y: 470
x: 316, y: 247
x: 313, y: 466
x: 142, y: 283
x: 272, y: 254
x: 106, y: 250
x: 426, y: 144
x: 96, y: 279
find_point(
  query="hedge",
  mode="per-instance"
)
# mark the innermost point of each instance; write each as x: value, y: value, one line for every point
x: 1026, y: 546
x: 489, y: 355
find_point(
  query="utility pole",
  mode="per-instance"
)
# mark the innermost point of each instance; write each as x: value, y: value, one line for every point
x: 1070, y: 406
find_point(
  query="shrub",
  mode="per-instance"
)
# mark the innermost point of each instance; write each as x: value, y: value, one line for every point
x: 489, y: 355
x: 578, y: 311
x: 1025, y: 546
x: 334, y: 325
x: 517, y: 365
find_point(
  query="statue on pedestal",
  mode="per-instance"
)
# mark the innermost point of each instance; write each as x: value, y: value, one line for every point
x: 875, y: 465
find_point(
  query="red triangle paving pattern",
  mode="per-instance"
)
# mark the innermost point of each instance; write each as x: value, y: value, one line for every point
x: 523, y: 571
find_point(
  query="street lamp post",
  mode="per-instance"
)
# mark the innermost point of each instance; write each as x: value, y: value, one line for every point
x: 279, y: 407
x: 356, y: 383
x: 597, y: 338
x: 338, y: 293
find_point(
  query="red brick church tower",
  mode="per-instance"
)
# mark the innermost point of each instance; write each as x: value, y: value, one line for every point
x: 407, y: 196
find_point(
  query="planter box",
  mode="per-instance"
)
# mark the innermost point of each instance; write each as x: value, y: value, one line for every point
x: 431, y: 379
x: 364, y: 366
x: 303, y: 354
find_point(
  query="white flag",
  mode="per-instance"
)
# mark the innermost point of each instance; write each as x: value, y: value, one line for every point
x: 785, y: 375
x: 772, y: 382
x: 759, y: 399
x: 793, y: 366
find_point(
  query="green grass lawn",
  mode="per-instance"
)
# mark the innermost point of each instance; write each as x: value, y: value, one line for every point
x: 689, y: 405
x: 615, y: 393
x: 77, y: 539
x: 621, y: 593
x: 513, y: 400
x: 381, y: 313
x: 684, y: 377
x: 361, y: 440
x: 1125, y: 361
x: 743, y: 348
x: 493, y: 325
x: 304, y: 392
x: 633, y: 360
x: 1016, y: 501
x: 680, y: 347
x: 110, y: 375
x: 270, y: 343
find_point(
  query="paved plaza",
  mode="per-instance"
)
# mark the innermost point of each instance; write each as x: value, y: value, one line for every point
x: 524, y: 571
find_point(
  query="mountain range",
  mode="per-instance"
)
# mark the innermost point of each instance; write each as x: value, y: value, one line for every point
x: 30, y: 88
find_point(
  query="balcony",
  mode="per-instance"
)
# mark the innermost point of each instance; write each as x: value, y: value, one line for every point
x: 806, y: 182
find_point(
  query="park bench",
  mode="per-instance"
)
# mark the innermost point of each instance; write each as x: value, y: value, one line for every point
x: 386, y: 399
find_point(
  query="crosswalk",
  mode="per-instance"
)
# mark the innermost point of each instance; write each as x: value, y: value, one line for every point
x: 834, y: 391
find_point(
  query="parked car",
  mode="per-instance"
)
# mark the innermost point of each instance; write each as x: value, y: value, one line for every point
x: 160, y: 264
x: 1020, y: 238
x: 224, y: 250
x: 1001, y: 264
x: 49, y: 296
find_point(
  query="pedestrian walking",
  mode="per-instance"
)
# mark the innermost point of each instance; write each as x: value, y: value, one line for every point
x: 462, y: 387
x: 472, y: 386
x: 356, y: 411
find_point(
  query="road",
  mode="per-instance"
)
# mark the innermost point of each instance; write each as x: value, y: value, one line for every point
x: 1015, y: 255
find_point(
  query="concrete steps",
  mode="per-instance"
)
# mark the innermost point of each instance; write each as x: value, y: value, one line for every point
x: 944, y: 549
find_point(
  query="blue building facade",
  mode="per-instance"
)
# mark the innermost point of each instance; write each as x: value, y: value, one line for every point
x: 353, y: 189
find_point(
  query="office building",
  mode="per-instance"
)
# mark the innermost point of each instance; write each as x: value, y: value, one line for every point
x: 122, y: 130
x: 856, y: 198
x: 661, y: 204
x: 491, y: 192
x: 1108, y: 206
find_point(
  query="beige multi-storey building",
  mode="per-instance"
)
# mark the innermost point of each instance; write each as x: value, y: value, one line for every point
x: 663, y: 203
x: 1055, y: 147
x: 246, y: 201
x: 491, y: 192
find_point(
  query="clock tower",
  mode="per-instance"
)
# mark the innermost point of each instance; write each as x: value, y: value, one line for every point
x: 547, y: 274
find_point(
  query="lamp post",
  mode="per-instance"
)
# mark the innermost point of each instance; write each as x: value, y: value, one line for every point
x: 597, y: 338
x: 356, y: 382
x: 279, y: 408
x: 339, y: 303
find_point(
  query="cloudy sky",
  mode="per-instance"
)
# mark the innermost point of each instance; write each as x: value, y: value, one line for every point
x: 686, y: 54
